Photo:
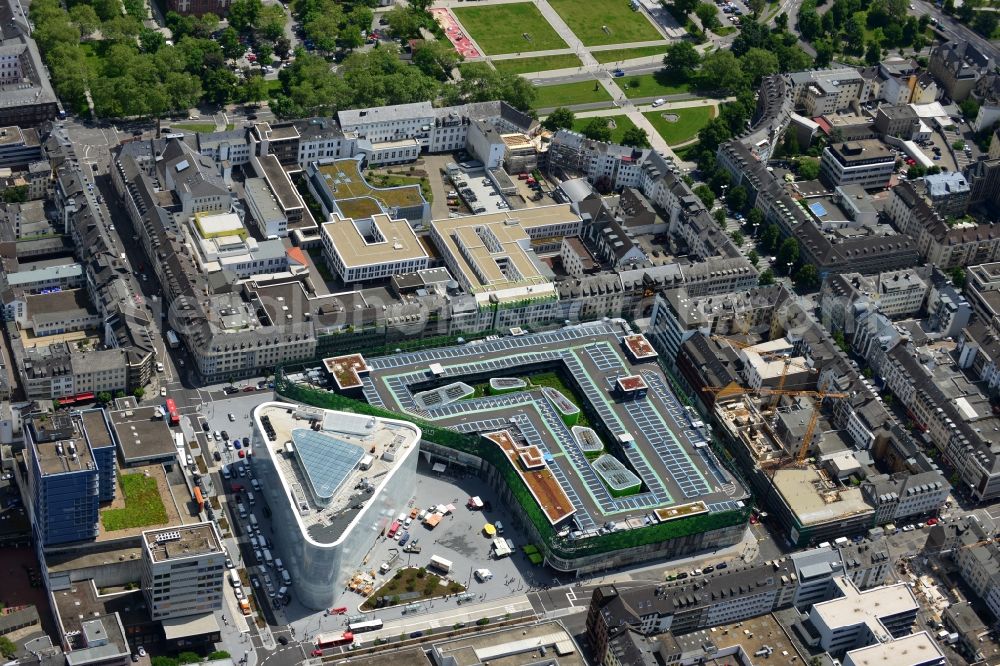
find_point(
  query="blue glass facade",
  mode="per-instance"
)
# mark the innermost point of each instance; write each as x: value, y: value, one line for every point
x: 68, y: 478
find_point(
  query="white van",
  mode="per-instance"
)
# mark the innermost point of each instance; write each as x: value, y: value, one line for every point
x: 250, y: 497
x: 268, y: 558
x: 256, y: 484
x: 277, y: 563
x: 282, y: 591
x: 483, y: 575
x: 225, y: 472
x: 254, y: 543
x: 285, y: 578
x: 659, y: 102
x: 242, y: 509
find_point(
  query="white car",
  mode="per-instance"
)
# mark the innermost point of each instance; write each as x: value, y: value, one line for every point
x: 163, y: 391
x: 659, y: 102
x: 232, y: 417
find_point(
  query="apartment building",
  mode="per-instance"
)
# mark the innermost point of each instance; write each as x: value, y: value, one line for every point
x: 70, y: 470
x: 684, y: 607
x: 872, y: 250
x: 942, y: 244
x: 183, y: 571
x: 958, y: 65
x: 866, y: 564
x: 677, y: 315
x: 949, y: 193
x: 822, y: 92
x: 902, y: 496
x: 950, y: 409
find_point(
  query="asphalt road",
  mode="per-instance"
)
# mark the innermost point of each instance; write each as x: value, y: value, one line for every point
x: 954, y: 30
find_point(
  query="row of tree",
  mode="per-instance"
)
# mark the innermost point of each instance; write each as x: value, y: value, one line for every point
x: 857, y: 28
x: 378, y: 77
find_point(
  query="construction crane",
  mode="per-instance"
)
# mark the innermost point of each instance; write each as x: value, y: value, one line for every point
x: 818, y: 396
x: 769, y: 355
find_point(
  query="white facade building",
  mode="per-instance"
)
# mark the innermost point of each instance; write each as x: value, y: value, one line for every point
x: 309, y: 479
x: 183, y: 570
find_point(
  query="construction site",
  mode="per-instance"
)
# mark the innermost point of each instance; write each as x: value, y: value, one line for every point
x: 777, y: 424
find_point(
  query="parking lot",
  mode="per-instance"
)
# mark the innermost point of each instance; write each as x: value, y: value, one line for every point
x: 479, y: 192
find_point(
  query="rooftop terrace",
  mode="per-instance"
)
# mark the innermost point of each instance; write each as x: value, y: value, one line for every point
x: 345, y: 181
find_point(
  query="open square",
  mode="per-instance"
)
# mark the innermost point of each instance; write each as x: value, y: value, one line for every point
x: 513, y: 28
x: 599, y: 23
x: 678, y: 126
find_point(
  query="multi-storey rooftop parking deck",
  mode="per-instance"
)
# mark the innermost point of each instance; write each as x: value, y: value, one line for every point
x: 657, y: 460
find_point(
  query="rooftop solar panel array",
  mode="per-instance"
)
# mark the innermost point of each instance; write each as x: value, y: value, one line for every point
x: 591, y: 356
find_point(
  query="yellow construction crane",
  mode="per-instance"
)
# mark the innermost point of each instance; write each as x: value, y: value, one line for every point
x: 818, y: 396
x: 769, y: 355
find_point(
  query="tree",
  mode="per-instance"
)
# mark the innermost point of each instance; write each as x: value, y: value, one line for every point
x: 480, y: 83
x: 958, y: 277
x: 738, y: 198
x: 682, y: 59
x: 970, y: 108
x: 766, y: 277
x: 597, y: 129
x: 14, y: 194
x: 635, y: 137
x: 721, y: 71
x: 807, y: 277
x: 808, y: 168
x: 705, y: 194
x: 788, y: 254
x: 757, y: 6
x: 753, y: 257
x: 824, y: 52
x: 840, y: 341
x: 139, y: 393
x: 769, y: 237
x: 809, y: 23
x: 708, y: 15
x: 561, y: 118
x: 270, y: 22
x: 437, y: 59
x: 758, y: 63
x: 781, y: 21
x: 985, y: 23
x: 282, y: 47
x: 85, y: 18
x: 103, y: 397
x: 755, y: 218
x: 873, y: 53
x: 7, y: 647
x: 229, y: 40
x: 737, y: 237
x: 243, y: 14
x: 681, y: 8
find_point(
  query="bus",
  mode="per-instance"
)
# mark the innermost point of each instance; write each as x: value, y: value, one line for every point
x: 324, y: 641
x: 368, y: 625
x: 175, y: 416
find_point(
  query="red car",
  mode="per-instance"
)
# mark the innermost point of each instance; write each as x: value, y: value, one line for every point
x: 243, y: 453
x: 250, y: 389
x: 932, y: 521
x: 317, y: 653
x: 339, y: 610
